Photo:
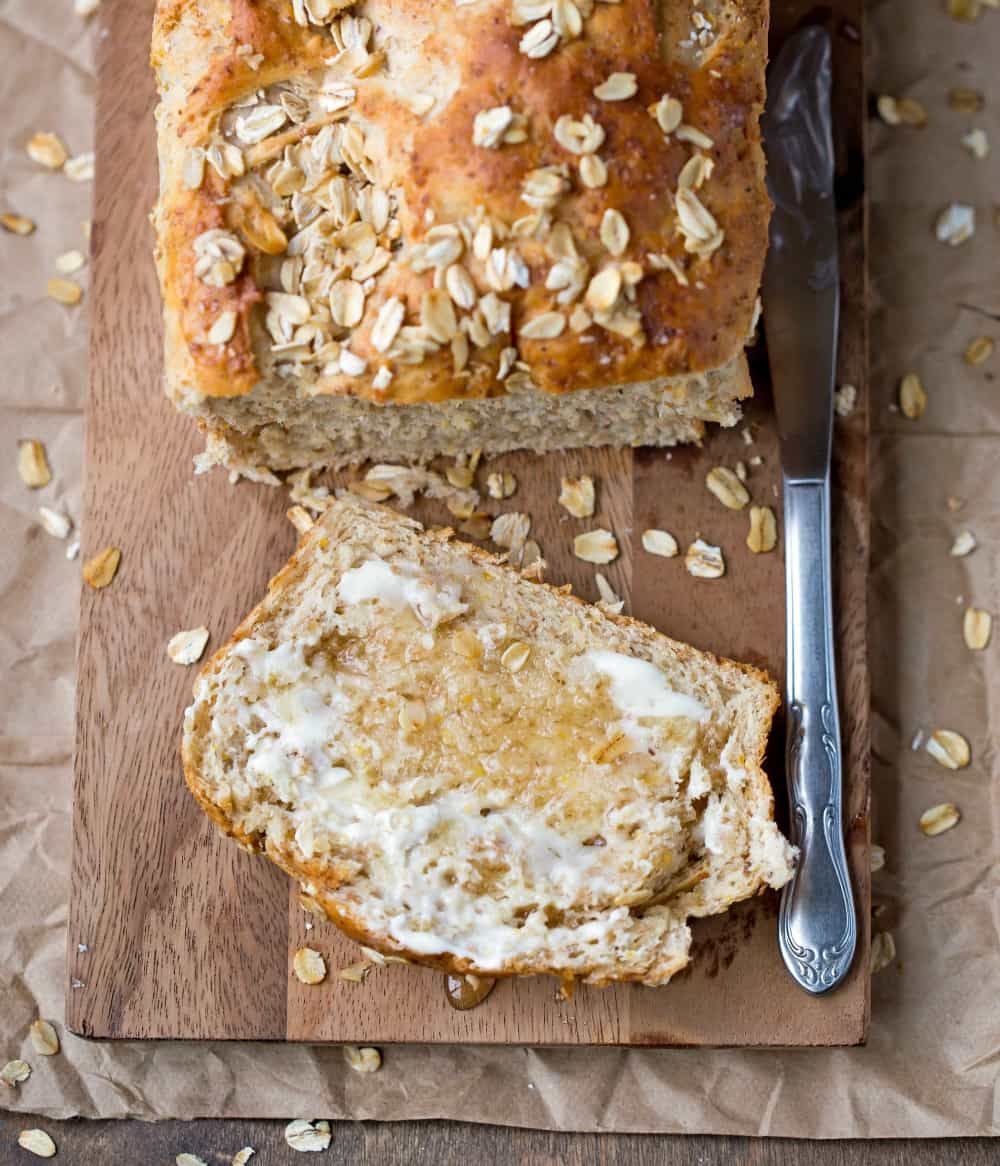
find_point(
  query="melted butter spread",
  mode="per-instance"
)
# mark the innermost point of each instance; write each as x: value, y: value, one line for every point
x: 494, y: 825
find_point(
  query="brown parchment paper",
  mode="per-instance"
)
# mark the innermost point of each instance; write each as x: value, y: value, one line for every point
x: 930, y: 1067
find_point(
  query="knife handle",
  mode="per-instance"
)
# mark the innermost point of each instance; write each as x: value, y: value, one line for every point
x: 817, y: 924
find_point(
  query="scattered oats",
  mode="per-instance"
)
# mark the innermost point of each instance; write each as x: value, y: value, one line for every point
x: 490, y: 125
x: 476, y: 526
x: 64, y: 291
x: 596, y: 546
x: 539, y: 40
x: 614, y: 231
x: 380, y: 960
x: 102, y: 568
x: 37, y: 1142
x: 382, y: 378
x: 741, y: 471
x: 546, y: 326
x: 660, y: 262
x: 351, y: 364
x: 845, y: 400
x: 618, y: 87
x: 501, y: 485
x: 80, y: 168
x: 219, y: 258
x: 70, y: 262
x: 17, y: 224
x: 85, y: 7
x: 694, y: 136
x: 977, y: 627
x: 355, y: 973
x: 510, y: 531
x: 702, y: 235
x: 949, y: 749
x: 888, y: 110
x: 14, y: 1072
x: 668, y: 112
x: 911, y: 112
x: 577, y: 495
x: 610, y: 601
x: 73, y: 549
x: 579, y: 136
x: 964, y: 544
x: 390, y: 320
x: 954, y: 504
x: 371, y: 491
x: 308, y: 1136
x: 704, y: 561
x: 877, y: 858
x: 912, y: 397
x: 593, y: 172
x: 532, y: 563
x: 979, y: 350
x: 47, y: 150
x: 461, y: 477
x: 883, y: 951
x: 463, y: 504
x: 726, y: 486
x: 186, y: 647
x: 190, y: 1160
x: 603, y: 290
x: 242, y: 1157
x: 54, y: 522
x: 660, y: 542
x: 965, y: 100
x: 364, y: 1059
x: 977, y: 143
x: 695, y: 172
x: 939, y: 818
x: 309, y: 966
x: 222, y: 330
x: 965, y: 10
x: 44, y: 1039
x: 956, y: 224
x: 763, y: 533
x: 756, y: 460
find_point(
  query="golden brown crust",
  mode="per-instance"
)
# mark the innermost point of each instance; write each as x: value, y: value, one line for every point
x: 319, y: 880
x: 211, y: 55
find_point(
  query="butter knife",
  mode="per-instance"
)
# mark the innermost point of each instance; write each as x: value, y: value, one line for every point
x: 817, y: 923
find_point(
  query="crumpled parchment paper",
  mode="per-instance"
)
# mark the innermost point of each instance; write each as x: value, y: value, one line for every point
x: 930, y: 1068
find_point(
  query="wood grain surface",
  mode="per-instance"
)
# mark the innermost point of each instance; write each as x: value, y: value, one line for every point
x: 187, y: 937
x: 427, y: 1143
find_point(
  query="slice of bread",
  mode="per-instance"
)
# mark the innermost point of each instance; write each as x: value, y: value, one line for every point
x: 478, y: 772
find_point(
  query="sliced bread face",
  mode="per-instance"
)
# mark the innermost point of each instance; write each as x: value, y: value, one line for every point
x: 479, y: 772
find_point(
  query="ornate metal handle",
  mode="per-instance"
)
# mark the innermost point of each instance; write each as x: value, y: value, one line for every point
x: 817, y: 925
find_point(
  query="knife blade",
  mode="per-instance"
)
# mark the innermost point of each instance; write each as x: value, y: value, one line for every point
x: 817, y: 923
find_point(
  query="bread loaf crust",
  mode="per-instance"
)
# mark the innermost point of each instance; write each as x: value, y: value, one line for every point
x: 210, y: 54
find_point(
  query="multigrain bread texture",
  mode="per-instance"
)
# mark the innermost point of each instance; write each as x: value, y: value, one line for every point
x: 478, y: 772
x: 395, y: 229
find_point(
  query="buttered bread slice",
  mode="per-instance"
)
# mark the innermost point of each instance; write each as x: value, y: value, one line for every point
x: 479, y: 772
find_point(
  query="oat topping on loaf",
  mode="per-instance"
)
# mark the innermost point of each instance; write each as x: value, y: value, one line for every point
x: 479, y: 772
x: 390, y: 203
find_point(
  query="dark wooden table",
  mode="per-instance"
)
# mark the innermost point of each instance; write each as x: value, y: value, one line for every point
x: 134, y: 1143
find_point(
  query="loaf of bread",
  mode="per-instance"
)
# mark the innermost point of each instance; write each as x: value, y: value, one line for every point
x: 478, y: 772
x: 397, y: 229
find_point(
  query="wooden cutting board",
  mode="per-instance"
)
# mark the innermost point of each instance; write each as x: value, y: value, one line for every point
x: 175, y: 932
